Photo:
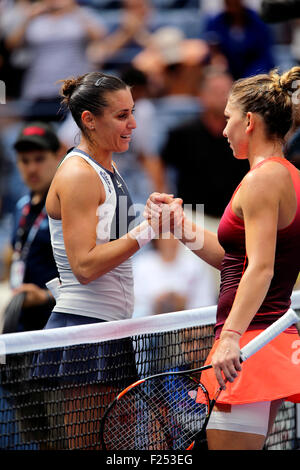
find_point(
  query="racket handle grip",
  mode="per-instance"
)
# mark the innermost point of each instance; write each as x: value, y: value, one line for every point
x: 289, y: 318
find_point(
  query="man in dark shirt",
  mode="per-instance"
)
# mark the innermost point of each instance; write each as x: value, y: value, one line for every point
x: 206, y: 170
x: 38, y: 154
x: 239, y: 34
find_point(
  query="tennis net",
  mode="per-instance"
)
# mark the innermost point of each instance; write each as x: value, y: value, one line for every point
x: 56, y: 384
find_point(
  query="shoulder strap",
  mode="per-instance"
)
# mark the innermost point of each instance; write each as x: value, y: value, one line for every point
x: 103, y: 175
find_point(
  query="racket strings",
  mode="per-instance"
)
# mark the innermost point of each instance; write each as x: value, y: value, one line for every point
x: 160, y: 414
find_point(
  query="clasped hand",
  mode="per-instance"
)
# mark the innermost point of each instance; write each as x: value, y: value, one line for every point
x: 164, y: 212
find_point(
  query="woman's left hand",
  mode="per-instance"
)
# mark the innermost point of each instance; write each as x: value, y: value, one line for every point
x: 226, y: 359
x: 164, y: 212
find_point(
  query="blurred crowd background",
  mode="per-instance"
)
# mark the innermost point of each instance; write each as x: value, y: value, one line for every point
x: 181, y: 57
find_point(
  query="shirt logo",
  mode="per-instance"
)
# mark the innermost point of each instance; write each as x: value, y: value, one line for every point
x: 106, y: 179
x: 120, y: 185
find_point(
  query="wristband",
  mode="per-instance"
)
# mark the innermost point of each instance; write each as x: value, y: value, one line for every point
x: 233, y: 331
x: 143, y: 233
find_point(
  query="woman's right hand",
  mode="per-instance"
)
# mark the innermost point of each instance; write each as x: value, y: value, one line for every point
x: 226, y: 359
x: 164, y: 212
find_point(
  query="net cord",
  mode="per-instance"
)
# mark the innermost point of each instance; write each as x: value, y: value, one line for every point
x: 14, y: 343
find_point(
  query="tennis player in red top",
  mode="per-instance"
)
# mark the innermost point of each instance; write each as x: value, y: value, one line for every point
x: 257, y: 249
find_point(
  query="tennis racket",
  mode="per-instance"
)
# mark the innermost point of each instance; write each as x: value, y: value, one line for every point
x: 170, y: 411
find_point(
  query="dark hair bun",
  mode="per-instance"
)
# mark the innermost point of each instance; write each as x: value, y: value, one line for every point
x: 68, y: 87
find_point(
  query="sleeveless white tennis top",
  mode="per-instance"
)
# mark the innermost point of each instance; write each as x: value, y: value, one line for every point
x: 111, y: 296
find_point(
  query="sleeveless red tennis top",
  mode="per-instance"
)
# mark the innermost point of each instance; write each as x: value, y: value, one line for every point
x: 231, y: 235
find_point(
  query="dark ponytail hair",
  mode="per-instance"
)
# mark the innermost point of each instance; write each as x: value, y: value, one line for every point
x: 88, y: 93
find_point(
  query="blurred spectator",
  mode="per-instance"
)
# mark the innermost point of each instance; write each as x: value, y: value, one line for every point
x: 170, y: 278
x: 287, y: 12
x: 12, y: 186
x: 242, y: 38
x: 56, y: 33
x: 277, y: 11
x: 175, y: 63
x: 4, y: 170
x: 33, y: 265
x: 206, y: 171
x: 10, y: 73
x: 295, y: 43
x: 126, y: 39
x: 15, y: 61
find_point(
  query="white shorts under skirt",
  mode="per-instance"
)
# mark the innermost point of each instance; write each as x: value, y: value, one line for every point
x: 251, y: 418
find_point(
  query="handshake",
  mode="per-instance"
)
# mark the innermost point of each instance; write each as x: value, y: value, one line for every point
x: 165, y: 214
x: 165, y: 218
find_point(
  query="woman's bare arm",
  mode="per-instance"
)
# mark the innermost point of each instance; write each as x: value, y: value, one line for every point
x: 202, y: 242
x: 80, y: 193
